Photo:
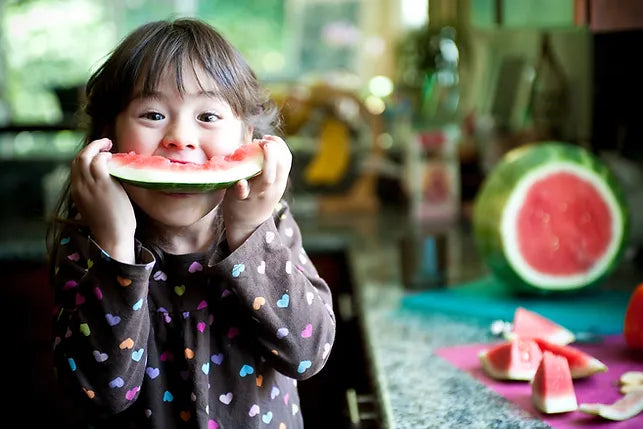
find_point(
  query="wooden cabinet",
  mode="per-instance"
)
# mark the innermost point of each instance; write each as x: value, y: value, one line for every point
x: 609, y: 15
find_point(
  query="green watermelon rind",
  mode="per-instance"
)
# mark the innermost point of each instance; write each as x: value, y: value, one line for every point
x: 498, y: 188
x: 161, y: 175
x: 183, y: 187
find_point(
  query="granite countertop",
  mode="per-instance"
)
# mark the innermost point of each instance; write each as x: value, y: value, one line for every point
x: 416, y: 388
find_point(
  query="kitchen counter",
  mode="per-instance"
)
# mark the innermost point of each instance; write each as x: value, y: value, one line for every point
x: 416, y: 388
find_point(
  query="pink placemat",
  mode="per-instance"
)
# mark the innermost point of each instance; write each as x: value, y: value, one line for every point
x: 601, y: 387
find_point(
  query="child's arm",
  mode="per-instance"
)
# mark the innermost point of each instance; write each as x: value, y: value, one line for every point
x: 289, y: 305
x: 101, y: 323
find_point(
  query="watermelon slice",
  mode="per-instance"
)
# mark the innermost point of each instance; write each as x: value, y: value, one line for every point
x: 157, y: 172
x: 550, y: 217
x: 552, y: 388
x: 580, y: 363
x: 624, y: 408
x: 511, y: 360
x: 529, y: 324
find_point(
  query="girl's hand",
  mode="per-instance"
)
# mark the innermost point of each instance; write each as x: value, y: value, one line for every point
x: 102, y: 201
x: 249, y: 203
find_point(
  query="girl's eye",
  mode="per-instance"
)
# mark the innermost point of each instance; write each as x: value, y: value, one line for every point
x: 209, y: 117
x: 153, y: 116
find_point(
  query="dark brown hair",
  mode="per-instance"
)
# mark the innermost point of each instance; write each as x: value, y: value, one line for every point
x: 137, y: 64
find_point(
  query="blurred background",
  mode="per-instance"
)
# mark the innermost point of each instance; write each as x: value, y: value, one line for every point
x: 402, y: 105
x: 374, y: 93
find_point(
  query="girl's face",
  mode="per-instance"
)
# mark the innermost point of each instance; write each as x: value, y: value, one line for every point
x: 188, y: 127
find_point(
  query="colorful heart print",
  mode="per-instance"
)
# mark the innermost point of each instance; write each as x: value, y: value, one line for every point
x: 254, y: 410
x: 303, y: 366
x: 99, y: 357
x: 131, y: 394
x: 307, y: 332
x: 226, y: 398
x: 237, y: 269
x: 284, y: 301
x: 195, y: 267
x: 246, y: 370
x: 112, y: 320
x: 160, y: 276
x: 137, y: 355
x: 152, y: 372
x: 116, y: 383
x: 123, y: 281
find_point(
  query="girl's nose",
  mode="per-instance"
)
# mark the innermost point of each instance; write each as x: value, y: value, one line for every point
x: 179, y: 137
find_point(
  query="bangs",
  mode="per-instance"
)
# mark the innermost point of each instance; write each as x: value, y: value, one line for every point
x: 178, y: 51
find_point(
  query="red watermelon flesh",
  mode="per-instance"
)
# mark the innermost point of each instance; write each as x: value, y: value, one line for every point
x: 157, y: 172
x: 529, y: 324
x: 512, y: 360
x: 564, y: 225
x: 552, y: 388
x: 580, y: 363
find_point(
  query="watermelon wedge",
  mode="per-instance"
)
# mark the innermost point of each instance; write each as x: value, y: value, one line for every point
x: 624, y: 408
x: 550, y: 217
x: 511, y: 360
x: 580, y: 363
x: 552, y: 388
x: 529, y: 324
x: 157, y: 172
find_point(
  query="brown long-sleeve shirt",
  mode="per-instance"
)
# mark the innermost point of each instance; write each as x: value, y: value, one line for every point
x: 206, y: 340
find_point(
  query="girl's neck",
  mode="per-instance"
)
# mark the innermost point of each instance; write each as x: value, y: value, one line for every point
x: 198, y: 237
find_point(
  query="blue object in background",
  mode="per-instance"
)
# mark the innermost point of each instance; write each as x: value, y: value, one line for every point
x: 596, y: 311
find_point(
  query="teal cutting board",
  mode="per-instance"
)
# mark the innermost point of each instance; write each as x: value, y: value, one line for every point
x: 597, y: 311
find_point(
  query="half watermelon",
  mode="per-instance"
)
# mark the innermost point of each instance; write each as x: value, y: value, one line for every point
x: 550, y: 217
x: 157, y: 172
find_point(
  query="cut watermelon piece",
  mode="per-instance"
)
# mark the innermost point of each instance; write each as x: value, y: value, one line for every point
x: 157, y: 172
x: 552, y: 388
x: 625, y: 408
x: 580, y: 363
x: 550, y: 217
x: 529, y: 324
x: 512, y: 360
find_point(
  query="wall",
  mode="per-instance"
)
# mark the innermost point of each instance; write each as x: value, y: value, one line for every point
x: 573, y: 49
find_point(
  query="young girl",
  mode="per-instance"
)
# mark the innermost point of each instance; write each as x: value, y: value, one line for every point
x: 183, y: 310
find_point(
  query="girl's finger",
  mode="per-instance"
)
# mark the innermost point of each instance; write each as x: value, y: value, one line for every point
x: 242, y: 189
x: 87, y: 154
x: 269, y: 170
x: 98, y: 166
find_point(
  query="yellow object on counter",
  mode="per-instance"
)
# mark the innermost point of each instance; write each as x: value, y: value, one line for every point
x: 330, y: 164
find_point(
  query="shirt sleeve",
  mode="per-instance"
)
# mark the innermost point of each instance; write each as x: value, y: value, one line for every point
x: 289, y: 304
x: 101, y: 323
